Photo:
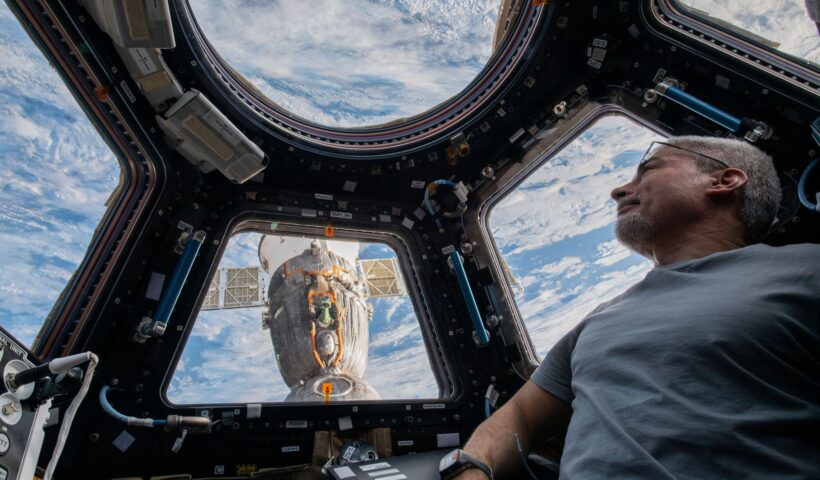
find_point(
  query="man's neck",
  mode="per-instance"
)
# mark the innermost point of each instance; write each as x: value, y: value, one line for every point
x: 697, y: 243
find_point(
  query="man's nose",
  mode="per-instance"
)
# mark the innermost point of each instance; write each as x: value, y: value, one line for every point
x: 618, y: 193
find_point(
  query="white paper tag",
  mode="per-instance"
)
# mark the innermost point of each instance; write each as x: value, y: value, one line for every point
x: 123, y: 441
x: 374, y: 466
x: 444, y: 440
x: 344, y: 215
x: 344, y: 472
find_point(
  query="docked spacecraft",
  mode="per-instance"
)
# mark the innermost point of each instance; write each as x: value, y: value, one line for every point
x: 318, y: 317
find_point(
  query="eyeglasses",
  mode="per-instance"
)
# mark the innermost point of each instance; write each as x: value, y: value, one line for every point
x: 655, y: 146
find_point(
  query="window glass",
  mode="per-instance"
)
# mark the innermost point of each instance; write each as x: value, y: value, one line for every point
x: 784, y: 25
x: 57, y: 174
x: 285, y: 315
x: 555, y: 231
x: 352, y: 63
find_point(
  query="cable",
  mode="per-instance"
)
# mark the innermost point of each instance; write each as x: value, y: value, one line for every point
x: 68, y: 418
x: 137, y: 422
x: 523, y: 457
x: 458, y: 190
x: 489, y: 400
x: 801, y: 187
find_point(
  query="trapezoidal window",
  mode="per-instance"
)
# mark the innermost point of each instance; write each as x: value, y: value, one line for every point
x: 288, y: 318
x: 555, y: 230
x: 353, y: 63
x: 57, y: 175
x: 784, y: 25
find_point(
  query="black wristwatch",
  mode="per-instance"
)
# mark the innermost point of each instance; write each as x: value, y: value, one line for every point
x: 457, y: 461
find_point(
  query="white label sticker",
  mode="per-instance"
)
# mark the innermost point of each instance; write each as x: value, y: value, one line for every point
x: 155, y: 284
x: 254, y: 410
x: 123, y: 441
x: 384, y: 218
x: 349, y: 186
x: 383, y: 472
x: 448, y: 250
x: 296, y: 424
x: 322, y: 196
x: 407, y: 223
x: 291, y: 449
x: 344, y: 215
x: 308, y: 212
x: 349, y: 451
x: 444, y: 440
x: 417, y: 184
x: 517, y: 135
x: 599, y: 42
x: 374, y: 466
x: 127, y: 91
x: 432, y: 406
x: 405, y: 443
x: 344, y: 472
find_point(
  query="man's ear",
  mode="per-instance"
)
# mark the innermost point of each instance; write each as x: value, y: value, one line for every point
x: 727, y: 181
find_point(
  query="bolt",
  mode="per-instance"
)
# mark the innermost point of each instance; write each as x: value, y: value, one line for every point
x: 94, y: 437
x: 650, y: 95
x: 11, y: 408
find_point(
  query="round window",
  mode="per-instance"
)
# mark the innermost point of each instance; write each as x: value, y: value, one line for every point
x: 356, y: 63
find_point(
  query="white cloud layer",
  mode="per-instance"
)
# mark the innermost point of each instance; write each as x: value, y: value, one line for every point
x: 57, y: 174
x: 784, y: 21
x: 356, y: 62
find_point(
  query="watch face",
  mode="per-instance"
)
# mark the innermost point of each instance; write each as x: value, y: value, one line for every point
x: 448, y: 460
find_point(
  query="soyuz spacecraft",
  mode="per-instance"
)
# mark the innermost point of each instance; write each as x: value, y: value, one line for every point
x: 318, y: 315
x: 316, y: 309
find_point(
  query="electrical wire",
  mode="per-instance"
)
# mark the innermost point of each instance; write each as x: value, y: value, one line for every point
x: 134, y: 421
x: 523, y: 457
x: 68, y: 418
x: 801, y: 187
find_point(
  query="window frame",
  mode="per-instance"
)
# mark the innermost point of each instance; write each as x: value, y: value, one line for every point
x: 673, y: 17
x: 440, y: 368
x: 554, y: 146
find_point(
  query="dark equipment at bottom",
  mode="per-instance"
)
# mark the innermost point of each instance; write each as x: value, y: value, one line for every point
x: 421, y: 466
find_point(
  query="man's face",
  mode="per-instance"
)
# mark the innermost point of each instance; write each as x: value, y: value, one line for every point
x: 666, y: 195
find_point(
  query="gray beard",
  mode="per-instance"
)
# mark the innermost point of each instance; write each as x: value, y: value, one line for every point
x: 634, y: 231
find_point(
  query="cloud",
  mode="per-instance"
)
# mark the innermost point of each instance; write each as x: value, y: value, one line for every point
x: 569, y: 195
x: 353, y: 63
x: 785, y: 22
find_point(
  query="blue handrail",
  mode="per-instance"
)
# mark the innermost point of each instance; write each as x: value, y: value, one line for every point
x: 469, y: 298
x: 700, y: 107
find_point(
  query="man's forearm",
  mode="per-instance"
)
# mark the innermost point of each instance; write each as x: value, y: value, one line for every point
x: 493, y: 442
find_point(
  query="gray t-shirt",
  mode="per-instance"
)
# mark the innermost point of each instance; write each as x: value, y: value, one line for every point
x: 707, y: 368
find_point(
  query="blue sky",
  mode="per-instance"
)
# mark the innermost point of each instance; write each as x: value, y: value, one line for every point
x: 346, y: 64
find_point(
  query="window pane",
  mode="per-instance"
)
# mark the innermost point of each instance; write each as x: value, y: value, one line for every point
x: 555, y: 230
x: 57, y: 174
x: 783, y: 25
x: 331, y: 312
x: 352, y: 63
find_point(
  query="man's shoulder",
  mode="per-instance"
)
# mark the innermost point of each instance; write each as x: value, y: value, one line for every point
x: 805, y: 252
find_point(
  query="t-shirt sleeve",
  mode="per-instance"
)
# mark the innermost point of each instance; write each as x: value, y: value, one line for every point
x: 555, y: 373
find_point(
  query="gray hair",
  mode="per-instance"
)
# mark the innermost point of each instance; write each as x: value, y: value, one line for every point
x: 760, y: 197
